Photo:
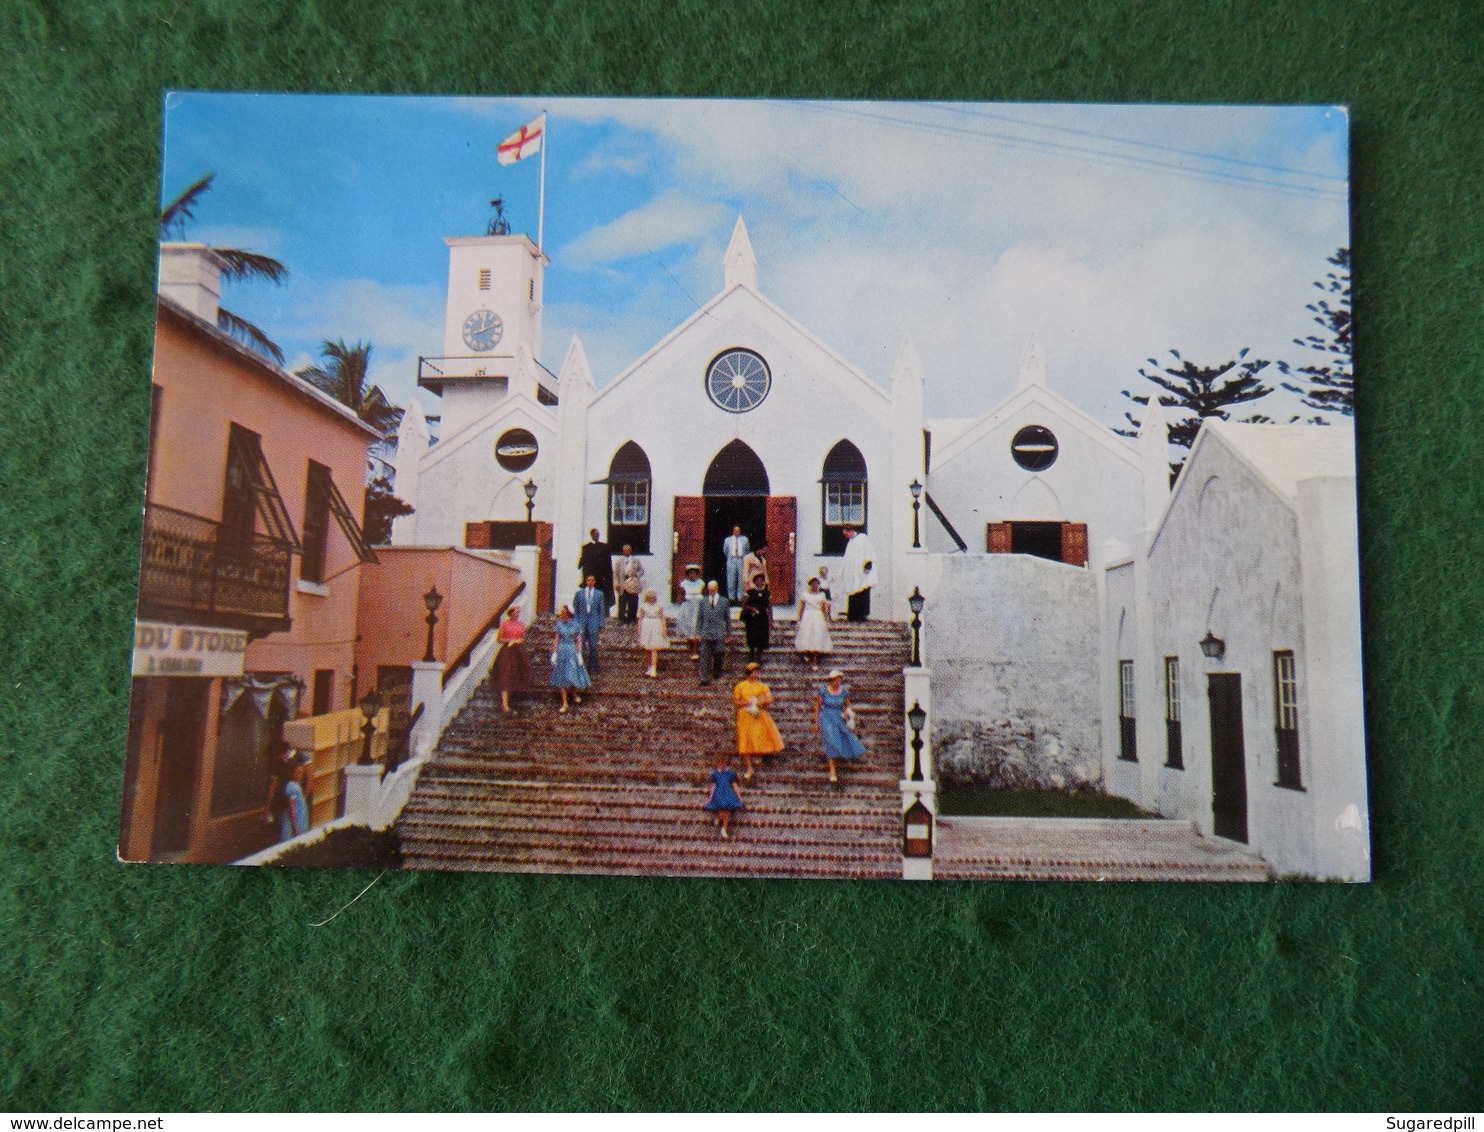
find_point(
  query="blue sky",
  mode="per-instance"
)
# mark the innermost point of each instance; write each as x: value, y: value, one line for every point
x: 1110, y: 232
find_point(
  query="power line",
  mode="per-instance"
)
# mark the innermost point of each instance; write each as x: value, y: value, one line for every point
x: 1086, y: 153
x: 976, y: 113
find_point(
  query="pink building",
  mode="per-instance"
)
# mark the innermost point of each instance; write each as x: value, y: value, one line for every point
x: 249, y: 582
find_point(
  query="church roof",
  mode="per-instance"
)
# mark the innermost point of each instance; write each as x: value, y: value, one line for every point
x: 739, y: 292
x: 1286, y: 455
x: 1281, y: 456
x: 1031, y: 393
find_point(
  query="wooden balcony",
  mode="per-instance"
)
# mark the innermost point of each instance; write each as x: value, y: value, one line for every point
x: 191, y: 567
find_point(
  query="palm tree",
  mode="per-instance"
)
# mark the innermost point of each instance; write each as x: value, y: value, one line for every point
x: 240, y: 265
x: 345, y: 376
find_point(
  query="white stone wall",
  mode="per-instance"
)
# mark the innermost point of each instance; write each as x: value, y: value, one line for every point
x: 1119, y: 642
x: 1231, y: 558
x: 1012, y: 643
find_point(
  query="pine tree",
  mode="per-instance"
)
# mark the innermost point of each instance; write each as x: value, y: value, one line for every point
x: 1196, y: 393
x: 1330, y: 386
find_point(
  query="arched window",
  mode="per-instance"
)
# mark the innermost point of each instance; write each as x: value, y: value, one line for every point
x: 843, y: 491
x: 736, y: 470
x: 628, y: 499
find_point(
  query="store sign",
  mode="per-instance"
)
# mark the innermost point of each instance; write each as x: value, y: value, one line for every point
x: 161, y: 649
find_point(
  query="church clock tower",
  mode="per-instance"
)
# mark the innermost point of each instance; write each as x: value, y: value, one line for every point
x: 491, y: 327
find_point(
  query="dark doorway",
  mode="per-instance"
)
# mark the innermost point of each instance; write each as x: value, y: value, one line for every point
x: 736, y: 493
x: 180, y: 734
x: 1228, y: 756
x: 736, y: 470
x: 723, y: 512
x: 1042, y: 540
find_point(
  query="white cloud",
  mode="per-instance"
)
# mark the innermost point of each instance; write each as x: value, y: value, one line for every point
x: 400, y: 322
x: 669, y: 219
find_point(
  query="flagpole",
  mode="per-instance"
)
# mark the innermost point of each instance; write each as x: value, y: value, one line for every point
x: 541, y: 207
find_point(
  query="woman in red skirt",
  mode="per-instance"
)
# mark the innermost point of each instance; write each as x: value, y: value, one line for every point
x: 511, y: 671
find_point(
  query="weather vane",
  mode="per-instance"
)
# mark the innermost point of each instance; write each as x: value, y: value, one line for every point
x: 499, y: 226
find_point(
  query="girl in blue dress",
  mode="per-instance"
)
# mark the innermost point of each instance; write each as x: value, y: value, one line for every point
x: 725, y: 797
x: 840, y: 743
x: 567, y: 670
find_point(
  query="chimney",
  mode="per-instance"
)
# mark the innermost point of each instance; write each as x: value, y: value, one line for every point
x: 191, y: 276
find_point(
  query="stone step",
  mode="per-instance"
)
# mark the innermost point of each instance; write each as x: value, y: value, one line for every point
x: 721, y: 869
x: 737, y: 855
x: 1086, y: 848
x: 617, y: 784
x: 771, y: 781
x: 534, y: 828
x: 642, y: 801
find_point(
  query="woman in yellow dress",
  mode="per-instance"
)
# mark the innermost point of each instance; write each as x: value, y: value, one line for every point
x: 757, y: 734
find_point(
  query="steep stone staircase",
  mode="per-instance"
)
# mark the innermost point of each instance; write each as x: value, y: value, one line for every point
x: 617, y: 785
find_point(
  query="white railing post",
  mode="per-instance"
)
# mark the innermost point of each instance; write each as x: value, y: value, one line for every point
x: 427, y: 692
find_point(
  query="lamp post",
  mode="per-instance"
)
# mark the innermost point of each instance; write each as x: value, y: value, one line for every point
x: 916, y: 719
x: 432, y: 599
x: 916, y: 602
x: 529, y: 487
x: 916, y: 489
x: 370, y: 702
x: 1212, y: 646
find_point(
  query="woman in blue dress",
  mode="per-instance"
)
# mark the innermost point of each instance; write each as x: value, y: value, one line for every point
x: 840, y: 743
x: 725, y: 798
x: 567, y: 670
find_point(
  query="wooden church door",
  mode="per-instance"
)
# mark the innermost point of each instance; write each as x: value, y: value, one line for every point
x: 1228, y: 756
x: 688, y: 543
x: 782, y: 526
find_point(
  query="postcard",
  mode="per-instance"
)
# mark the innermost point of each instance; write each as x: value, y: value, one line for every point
x: 928, y: 491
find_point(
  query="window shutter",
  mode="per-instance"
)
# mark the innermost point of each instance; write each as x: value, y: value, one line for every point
x: 1074, y: 544
x: 477, y: 536
x: 997, y: 538
x: 782, y: 522
x: 690, y: 539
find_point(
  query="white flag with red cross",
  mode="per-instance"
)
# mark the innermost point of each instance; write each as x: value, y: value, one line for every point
x: 523, y: 143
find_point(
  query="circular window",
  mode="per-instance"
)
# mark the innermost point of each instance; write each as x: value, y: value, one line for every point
x: 738, y: 380
x: 1034, y: 448
x: 516, y: 450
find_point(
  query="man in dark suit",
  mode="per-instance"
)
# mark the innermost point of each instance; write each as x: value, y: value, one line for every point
x: 713, y: 623
x: 590, y: 608
x: 596, y: 560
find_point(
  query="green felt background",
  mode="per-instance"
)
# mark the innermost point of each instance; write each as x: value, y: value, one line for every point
x: 183, y: 988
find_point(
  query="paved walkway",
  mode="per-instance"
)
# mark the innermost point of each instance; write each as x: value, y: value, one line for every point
x: 1086, y: 849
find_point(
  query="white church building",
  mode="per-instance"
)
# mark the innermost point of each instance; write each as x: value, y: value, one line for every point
x: 1059, y: 570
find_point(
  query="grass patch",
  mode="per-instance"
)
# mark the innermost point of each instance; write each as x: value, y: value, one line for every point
x: 977, y: 802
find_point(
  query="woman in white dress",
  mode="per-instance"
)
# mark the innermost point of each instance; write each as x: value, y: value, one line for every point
x: 812, y: 640
x: 652, y: 634
x: 692, y: 589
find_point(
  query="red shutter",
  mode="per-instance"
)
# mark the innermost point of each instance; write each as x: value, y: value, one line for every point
x: 477, y: 536
x: 997, y: 538
x: 1074, y: 544
x: 782, y: 525
x: 689, y: 539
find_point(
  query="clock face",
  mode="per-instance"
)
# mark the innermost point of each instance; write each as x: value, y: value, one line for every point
x: 483, y: 331
x: 738, y: 380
